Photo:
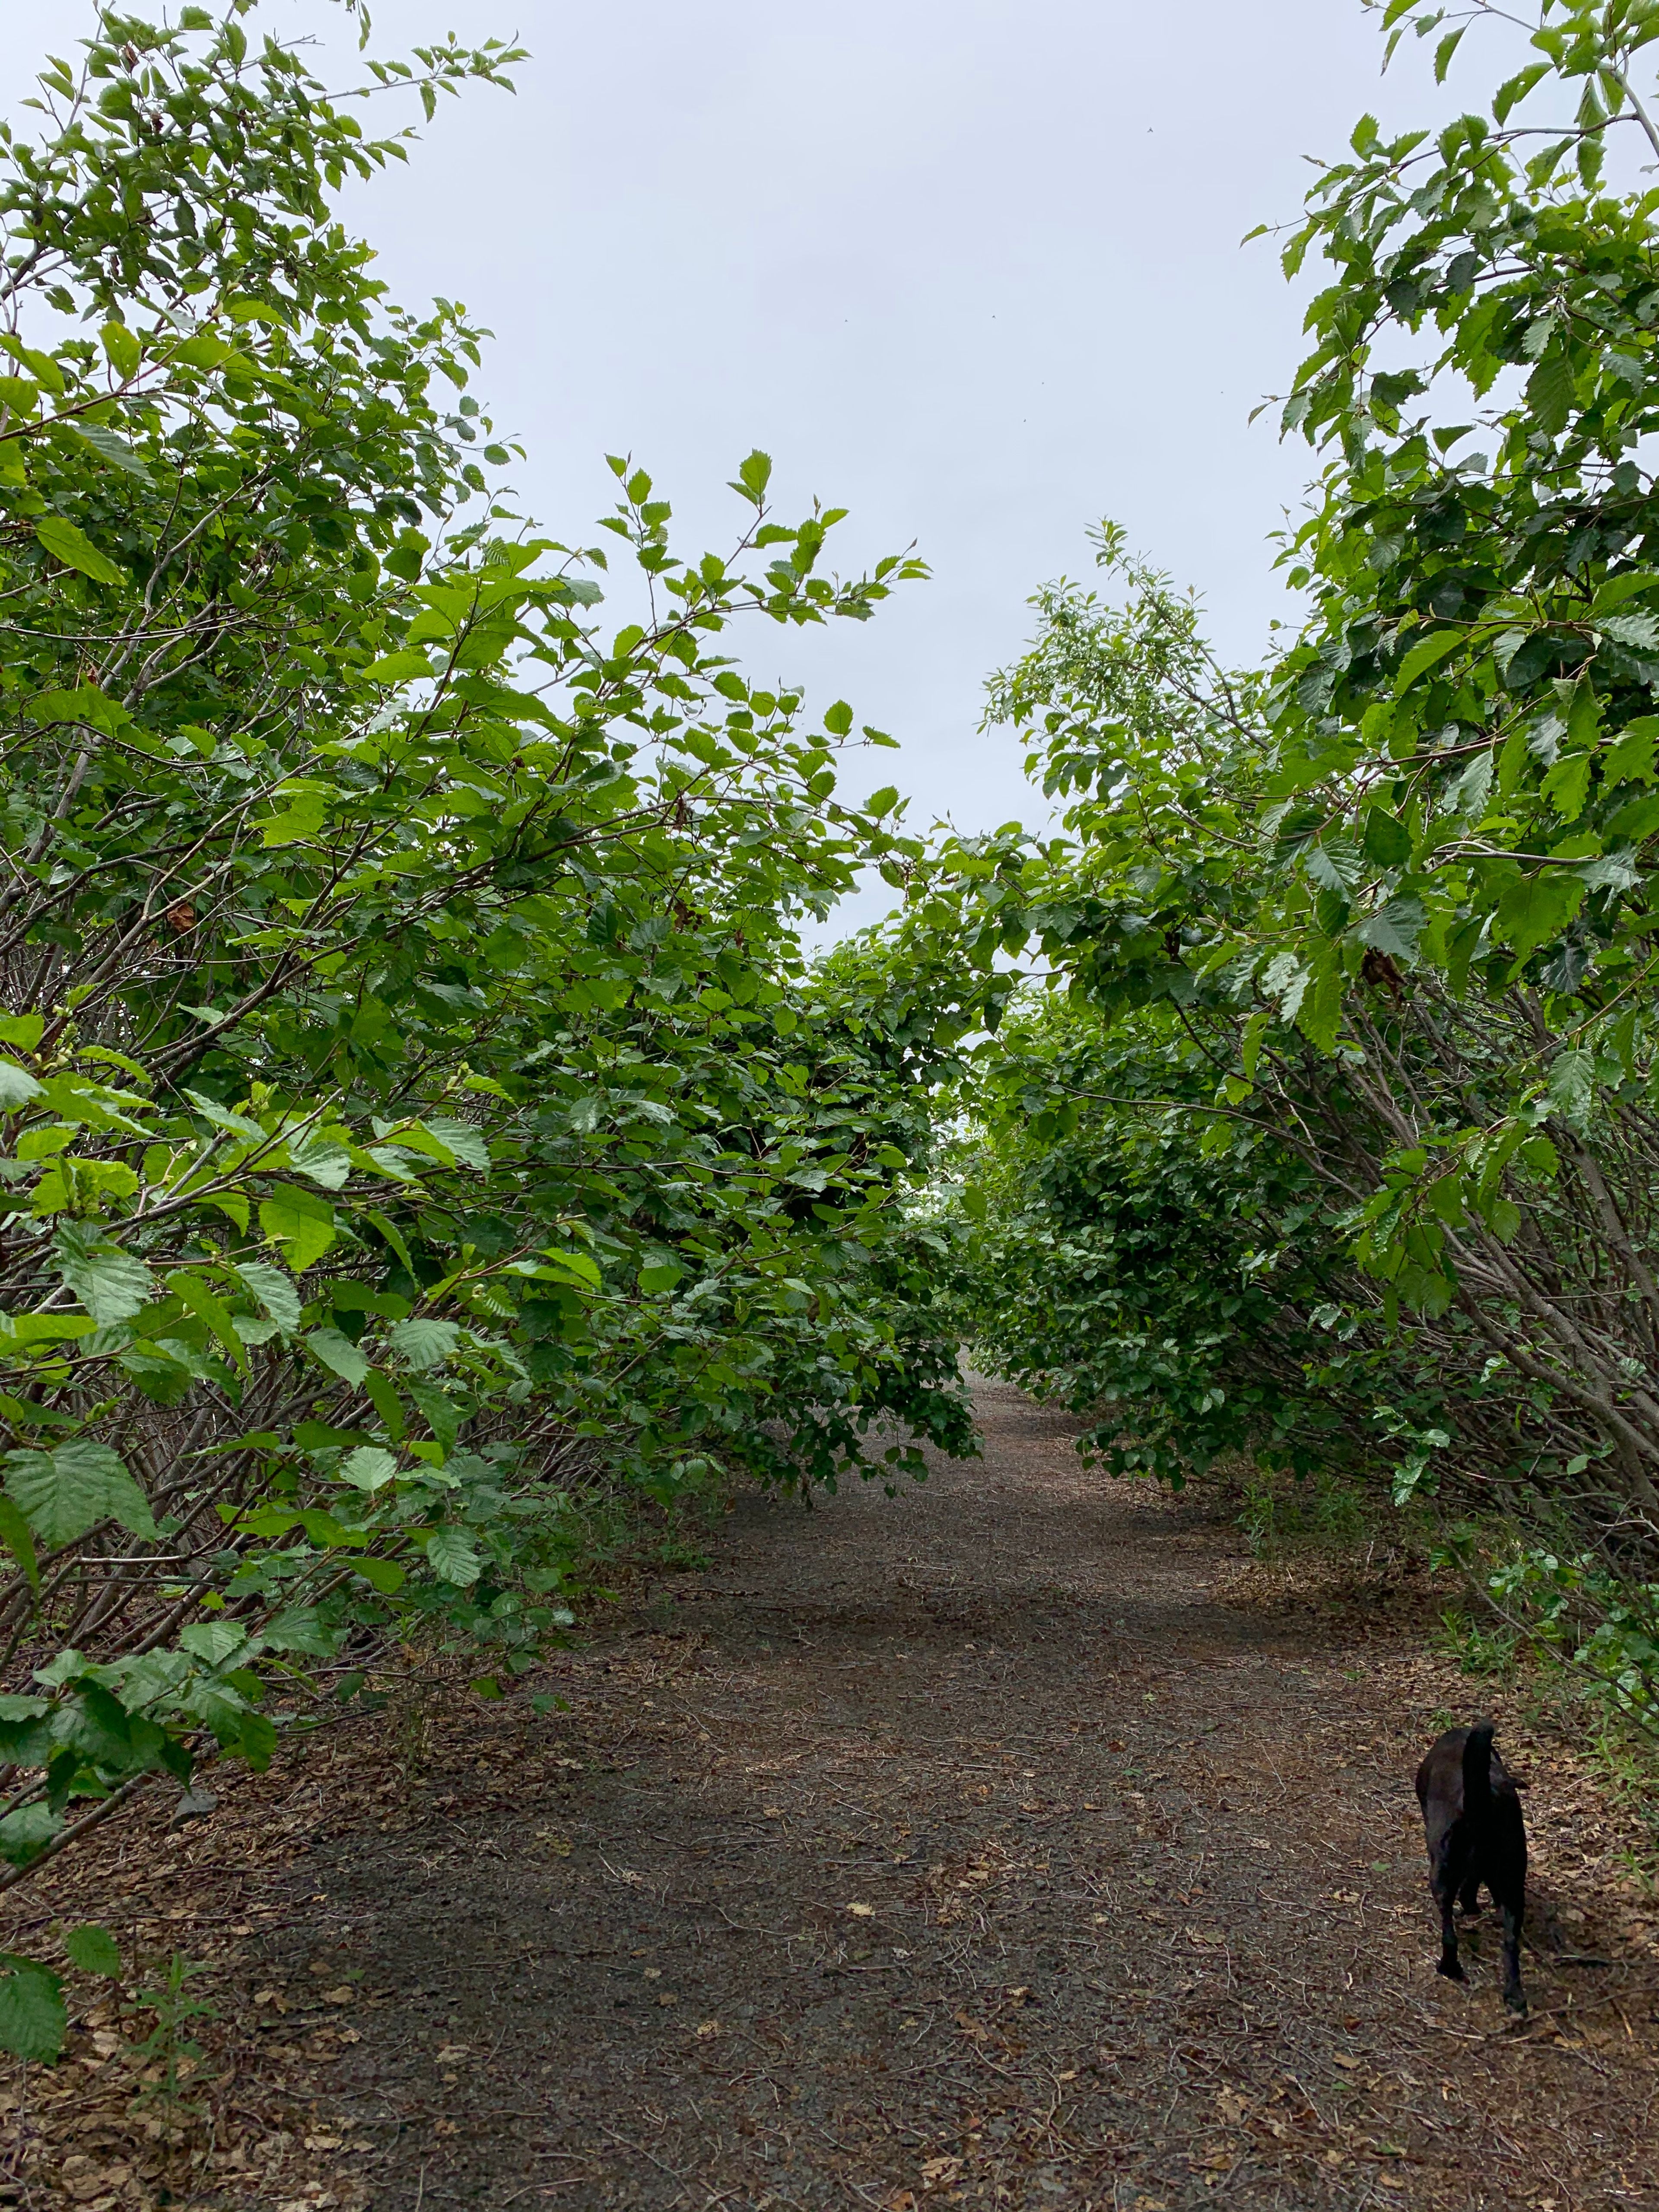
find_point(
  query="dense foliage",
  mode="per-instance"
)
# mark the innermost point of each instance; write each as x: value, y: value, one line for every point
x: 1344, y: 1136
x: 415, y: 1099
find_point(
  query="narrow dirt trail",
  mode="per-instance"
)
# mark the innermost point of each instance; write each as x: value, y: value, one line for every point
x: 968, y: 1848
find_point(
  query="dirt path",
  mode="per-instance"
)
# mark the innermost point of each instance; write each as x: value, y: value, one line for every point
x: 973, y: 1848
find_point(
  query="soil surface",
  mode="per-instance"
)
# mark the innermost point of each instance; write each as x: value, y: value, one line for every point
x: 1013, y: 1843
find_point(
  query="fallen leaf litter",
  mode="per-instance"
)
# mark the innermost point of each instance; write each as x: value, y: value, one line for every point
x: 1138, y: 1918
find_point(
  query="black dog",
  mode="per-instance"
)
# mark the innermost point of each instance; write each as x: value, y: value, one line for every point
x: 1473, y: 1825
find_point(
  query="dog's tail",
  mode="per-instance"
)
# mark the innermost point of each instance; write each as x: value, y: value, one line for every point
x: 1477, y: 1773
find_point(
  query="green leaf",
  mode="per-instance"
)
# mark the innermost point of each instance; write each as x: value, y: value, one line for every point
x: 369, y: 1468
x: 1424, y: 655
x: 1535, y: 908
x: 64, y: 1492
x: 1319, y: 1009
x: 838, y: 719
x: 1639, y: 631
x: 439, y: 1410
x: 199, y: 1297
x: 299, y: 822
x: 111, y: 1284
x: 300, y: 1219
x: 385, y: 1401
x: 111, y: 448
x: 382, y: 1575
x: 753, y: 476
x: 389, y: 1229
x: 421, y: 1343
x: 17, y: 1085
x: 122, y: 349
x: 575, y: 1263
x: 1550, y: 392
x: 93, y: 1950
x: 1567, y: 785
x: 453, y: 1556
x: 15, y: 1536
x: 1515, y: 88
x: 1632, y: 759
x: 462, y: 1137
x: 77, y: 550
x: 275, y: 1291
x: 1394, y: 929
x: 24, y: 1030
x: 1571, y: 1087
x: 34, y: 2018
x: 337, y: 1354
x: 25, y: 1833
x: 407, y: 666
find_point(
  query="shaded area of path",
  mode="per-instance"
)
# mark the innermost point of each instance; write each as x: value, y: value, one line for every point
x: 973, y: 1848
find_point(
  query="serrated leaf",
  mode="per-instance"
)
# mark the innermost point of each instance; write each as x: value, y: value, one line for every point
x: 213, y: 1641
x: 1515, y: 90
x: 1535, y: 908
x: 1424, y: 655
x: 111, y: 1284
x: 34, y: 2018
x: 62, y: 1494
x: 1571, y: 1087
x: 462, y: 1138
x: 1394, y: 928
x: 275, y: 1291
x: 369, y: 1468
x: 1567, y: 785
x: 93, y: 1950
x: 1550, y: 393
x: 302, y: 1221
x: 1632, y: 759
x: 337, y: 1354
x: 453, y: 1556
x: 577, y: 1264
x: 423, y: 1343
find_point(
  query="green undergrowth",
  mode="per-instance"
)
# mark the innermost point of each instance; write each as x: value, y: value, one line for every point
x: 1552, y: 1694
x: 1553, y: 1669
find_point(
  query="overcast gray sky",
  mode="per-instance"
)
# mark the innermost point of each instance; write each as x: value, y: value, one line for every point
x: 972, y: 271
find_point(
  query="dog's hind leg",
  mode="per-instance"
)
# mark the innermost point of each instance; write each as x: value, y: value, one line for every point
x: 1515, y: 1912
x: 1468, y: 1898
x: 1445, y: 1882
